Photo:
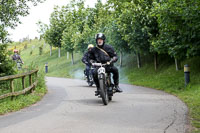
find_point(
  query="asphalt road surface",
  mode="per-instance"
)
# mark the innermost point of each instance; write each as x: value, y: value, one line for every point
x: 71, y: 107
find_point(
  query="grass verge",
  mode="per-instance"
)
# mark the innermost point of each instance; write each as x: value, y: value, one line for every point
x: 7, y: 105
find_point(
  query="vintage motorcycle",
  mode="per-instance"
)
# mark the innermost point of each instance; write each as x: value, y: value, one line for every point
x: 106, y: 86
x: 90, y: 80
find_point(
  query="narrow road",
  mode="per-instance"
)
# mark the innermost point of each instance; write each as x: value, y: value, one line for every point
x: 71, y: 107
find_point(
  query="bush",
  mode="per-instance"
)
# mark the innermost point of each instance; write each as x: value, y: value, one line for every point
x: 6, y: 64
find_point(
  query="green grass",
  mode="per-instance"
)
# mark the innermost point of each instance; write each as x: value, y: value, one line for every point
x: 19, y: 102
x: 57, y: 67
x: 7, y: 105
x: 166, y: 78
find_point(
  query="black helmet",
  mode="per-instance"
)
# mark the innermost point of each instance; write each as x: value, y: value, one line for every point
x: 100, y: 36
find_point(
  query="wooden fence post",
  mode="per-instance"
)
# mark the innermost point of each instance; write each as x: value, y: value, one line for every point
x: 35, y: 77
x: 30, y: 81
x: 12, y: 88
x: 24, y: 90
x: 23, y: 83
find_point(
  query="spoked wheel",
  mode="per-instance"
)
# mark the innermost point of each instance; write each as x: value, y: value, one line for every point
x: 103, y: 90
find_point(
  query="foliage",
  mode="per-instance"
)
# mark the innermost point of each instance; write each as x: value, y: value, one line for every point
x: 116, y: 38
x: 10, y: 12
x: 141, y: 26
x: 53, y: 34
x: 178, y: 22
x: 8, y: 105
x: 42, y: 29
x: 6, y: 63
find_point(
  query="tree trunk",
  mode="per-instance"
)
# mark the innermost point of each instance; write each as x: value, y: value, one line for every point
x: 72, y: 58
x: 120, y: 58
x: 138, y: 60
x: 177, y: 63
x: 156, y: 61
x: 50, y: 50
x: 67, y: 55
x: 59, y: 52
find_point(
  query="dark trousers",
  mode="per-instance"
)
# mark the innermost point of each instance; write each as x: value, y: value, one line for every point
x: 87, y: 71
x: 109, y: 69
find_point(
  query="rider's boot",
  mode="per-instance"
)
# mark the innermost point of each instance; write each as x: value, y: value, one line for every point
x: 88, y: 80
x: 97, y: 92
x: 116, y: 81
x: 118, y: 89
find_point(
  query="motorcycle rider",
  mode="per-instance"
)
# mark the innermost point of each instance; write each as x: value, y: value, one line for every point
x: 16, y: 57
x: 85, y: 60
x: 104, y: 53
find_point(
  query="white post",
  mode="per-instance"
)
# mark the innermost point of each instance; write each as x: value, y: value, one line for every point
x: 67, y: 55
x: 59, y: 52
x: 50, y: 50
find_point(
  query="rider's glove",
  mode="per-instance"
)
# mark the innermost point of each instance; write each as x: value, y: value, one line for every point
x: 108, y: 63
x: 92, y: 61
x: 114, y: 59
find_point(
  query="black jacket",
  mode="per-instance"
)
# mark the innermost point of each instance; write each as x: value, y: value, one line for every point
x: 99, y: 56
x: 85, y: 58
x: 16, y: 57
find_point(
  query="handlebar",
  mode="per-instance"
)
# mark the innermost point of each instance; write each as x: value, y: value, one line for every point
x: 98, y: 64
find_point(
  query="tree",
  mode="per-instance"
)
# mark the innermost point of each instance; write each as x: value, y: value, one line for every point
x: 44, y: 34
x: 115, y: 38
x: 77, y: 32
x: 82, y: 19
x: 53, y: 35
x: 178, y: 23
x: 6, y: 65
x: 42, y: 29
x: 10, y: 13
x: 133, y: 24
x: 69, y: 39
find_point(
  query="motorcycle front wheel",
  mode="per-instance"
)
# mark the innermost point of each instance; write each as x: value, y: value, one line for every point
x: 103, y: 90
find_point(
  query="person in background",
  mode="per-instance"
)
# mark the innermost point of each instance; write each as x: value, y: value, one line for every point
x: 85, y: 60
x: 16, y: 57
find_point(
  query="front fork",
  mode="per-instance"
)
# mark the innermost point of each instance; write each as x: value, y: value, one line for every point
x: 107, y: 79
